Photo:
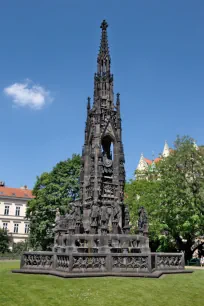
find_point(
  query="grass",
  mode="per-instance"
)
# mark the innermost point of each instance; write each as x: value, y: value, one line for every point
x: 37, y: 290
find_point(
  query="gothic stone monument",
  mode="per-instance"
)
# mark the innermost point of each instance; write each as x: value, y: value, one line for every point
x: 93, y: 238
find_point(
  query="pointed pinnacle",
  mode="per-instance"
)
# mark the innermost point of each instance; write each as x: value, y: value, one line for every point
x: 104, y: 25
x: 103, y: 50
x: 88, y: 103
x: 118, y: 98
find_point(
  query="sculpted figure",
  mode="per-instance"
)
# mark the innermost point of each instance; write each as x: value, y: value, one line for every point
x: 104, y: 215
x: 57, y: 216
x: 71, y: 216
x: 142, y: 221
x: 116, y: 212
x: 94, y: 214
x: 127, y: 217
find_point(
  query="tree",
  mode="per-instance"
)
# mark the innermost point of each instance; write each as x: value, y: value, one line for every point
x: 182, y: 194
x: 19, y: 247
x: 144, y: 193
x: 52, y: 190
x: 175, y: 200
x: 4, y: 241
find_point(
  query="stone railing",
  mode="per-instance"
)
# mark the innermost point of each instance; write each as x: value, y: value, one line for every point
x: 102, y: 262
x: 169, y: 261
x: 37, y: 260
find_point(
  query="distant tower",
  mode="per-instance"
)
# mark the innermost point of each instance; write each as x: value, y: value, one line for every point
x: 102, y: 172
x: 195, y: 145
x: 166, y: 150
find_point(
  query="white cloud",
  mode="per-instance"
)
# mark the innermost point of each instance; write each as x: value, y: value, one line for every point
x: 28, y: 94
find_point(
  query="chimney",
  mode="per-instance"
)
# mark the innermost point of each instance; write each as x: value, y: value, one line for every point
x: 25, y: 187
x: 2, y: 184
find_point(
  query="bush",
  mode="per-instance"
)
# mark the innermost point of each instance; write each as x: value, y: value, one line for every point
x: 19, y: 247
x: 9, y: 256
x: 4, y: 241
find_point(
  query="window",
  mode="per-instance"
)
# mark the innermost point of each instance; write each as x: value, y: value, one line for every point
x: 18, y: 210
x: 5, y: 226
x: 15, y: 230
x: 26, y: 228
x: 6, y: 210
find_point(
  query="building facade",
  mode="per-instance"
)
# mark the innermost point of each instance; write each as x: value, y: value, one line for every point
x: 145, y: 163
x: 13, y: 203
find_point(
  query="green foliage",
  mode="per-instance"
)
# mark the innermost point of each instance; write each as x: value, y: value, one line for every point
x: 4, y: 241
x: 175, y: 201
x: 52, y: 190
x: 19, y: 247
x: 9, y: 256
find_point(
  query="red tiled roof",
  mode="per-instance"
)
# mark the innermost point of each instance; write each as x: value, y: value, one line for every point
x: 148, y: 161
x: 157, y: 159
x: 15, y: 192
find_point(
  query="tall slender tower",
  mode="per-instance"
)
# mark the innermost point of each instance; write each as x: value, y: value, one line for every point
x: 102, y: 172
x: 92, y: 238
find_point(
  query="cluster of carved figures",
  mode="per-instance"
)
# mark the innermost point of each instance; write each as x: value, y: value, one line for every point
x: 133, y: 262
x: 101, y: 217
x: 37, y: 261
x: 84, y: 263
x: 169, y: 261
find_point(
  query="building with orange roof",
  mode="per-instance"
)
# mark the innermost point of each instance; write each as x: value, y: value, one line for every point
x: 147, y: 164
x: 13, y: 203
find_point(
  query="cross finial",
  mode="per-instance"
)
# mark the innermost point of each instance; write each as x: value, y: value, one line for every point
x: 104, y: 25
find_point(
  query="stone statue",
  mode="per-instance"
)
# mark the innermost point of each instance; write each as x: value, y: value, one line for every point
x: 143, y: 220
x: 104, y: 216
x: 127, y: 217
x: 57, y: 216
x: 116, y: 212
x: 94, y: 214
x: 126, y: 228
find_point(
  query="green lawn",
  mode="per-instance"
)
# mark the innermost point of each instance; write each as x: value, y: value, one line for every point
x: 36, y: 290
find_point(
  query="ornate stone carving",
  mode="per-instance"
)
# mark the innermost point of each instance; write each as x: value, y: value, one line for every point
x: 169, y: 262
x: 36, y: 261
x: 62, y: 262
x: 85, y: 262
x: 133, y: 262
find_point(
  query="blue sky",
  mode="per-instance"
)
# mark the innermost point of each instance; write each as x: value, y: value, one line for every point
x: 157, y: 51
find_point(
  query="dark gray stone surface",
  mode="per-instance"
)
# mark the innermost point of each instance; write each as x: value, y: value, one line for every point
x: 92, y: 264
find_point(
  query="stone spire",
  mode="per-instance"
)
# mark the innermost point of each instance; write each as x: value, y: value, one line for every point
x: 103, y: 59
x: 102, y: 166
x: 103, y: 79
x: 166, y: 150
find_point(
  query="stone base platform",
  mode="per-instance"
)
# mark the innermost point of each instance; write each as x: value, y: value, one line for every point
x: 75, y: 265
x: 155, y: 274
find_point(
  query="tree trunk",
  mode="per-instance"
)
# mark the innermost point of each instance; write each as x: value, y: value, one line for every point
x: 186, y: 247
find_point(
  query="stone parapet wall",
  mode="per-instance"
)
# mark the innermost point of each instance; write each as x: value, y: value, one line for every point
x: 102, y: 262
